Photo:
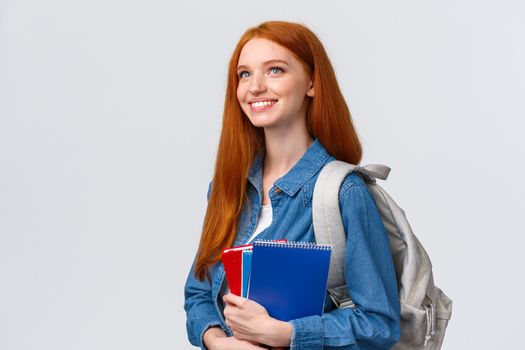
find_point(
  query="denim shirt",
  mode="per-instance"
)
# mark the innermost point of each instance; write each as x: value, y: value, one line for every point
x: 369, y: 270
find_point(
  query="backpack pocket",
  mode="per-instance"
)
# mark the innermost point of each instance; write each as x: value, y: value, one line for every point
x: 424, y: 327
x: 442, y: 316
x: 414, y: 327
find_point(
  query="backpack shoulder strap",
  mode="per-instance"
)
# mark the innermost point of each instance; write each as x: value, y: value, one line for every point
x: 328, y: 223
x: 329, y: 229
x: 326, y: 216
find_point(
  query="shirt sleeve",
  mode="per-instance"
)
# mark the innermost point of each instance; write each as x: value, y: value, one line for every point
x: 371, y: 282
x: 201, y: 312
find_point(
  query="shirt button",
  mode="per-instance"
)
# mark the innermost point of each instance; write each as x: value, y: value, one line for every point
x: 278, y: 190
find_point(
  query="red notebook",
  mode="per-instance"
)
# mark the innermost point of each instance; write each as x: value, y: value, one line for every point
x: 232, y: 261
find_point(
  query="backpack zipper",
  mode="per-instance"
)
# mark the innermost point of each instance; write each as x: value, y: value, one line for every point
x: 430, y: 313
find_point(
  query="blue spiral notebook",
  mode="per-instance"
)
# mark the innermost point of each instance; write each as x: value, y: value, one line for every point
x: 289, y: 279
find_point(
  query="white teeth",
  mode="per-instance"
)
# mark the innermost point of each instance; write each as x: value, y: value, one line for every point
x: 263, y: 103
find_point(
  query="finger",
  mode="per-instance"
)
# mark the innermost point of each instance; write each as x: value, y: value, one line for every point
x: 234, y: 299
x: 255, y: 346
x: 231, y: 311
x: 228, y: 323
x: 227, y: 311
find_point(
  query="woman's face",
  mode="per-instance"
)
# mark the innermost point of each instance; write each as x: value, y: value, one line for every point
x: 273, y: 85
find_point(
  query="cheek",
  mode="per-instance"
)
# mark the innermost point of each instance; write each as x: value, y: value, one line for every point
x: 285, y: 87
x: 240, y: 93
x: 240, y: 99
x: 297, y: 90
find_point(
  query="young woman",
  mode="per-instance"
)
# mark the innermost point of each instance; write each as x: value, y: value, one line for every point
x: 284, y: 119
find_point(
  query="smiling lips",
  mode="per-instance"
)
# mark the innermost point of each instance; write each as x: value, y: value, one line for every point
x: 261, y: 106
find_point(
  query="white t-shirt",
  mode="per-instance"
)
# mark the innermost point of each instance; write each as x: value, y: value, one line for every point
x: 263, y: 221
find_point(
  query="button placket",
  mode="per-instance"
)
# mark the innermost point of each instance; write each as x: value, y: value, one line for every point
x: 275, y: 197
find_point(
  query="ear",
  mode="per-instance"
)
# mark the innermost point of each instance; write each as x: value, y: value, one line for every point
x: 310, y: 91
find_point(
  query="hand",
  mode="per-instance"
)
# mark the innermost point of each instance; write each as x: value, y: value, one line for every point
x: 232, y: 343
x: 250, y: 321
x: 215, y: 339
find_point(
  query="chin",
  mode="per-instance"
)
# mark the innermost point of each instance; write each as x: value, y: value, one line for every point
x: 262, y: 121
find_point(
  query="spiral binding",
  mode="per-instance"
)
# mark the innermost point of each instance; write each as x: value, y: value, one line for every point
x: 292, y: 244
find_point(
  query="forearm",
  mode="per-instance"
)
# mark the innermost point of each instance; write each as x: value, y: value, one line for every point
x: 276, y: 334
x: 345, y: 329
x: 210, y: 335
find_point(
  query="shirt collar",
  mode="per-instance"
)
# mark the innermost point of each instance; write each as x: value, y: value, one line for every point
x: 309, y: 164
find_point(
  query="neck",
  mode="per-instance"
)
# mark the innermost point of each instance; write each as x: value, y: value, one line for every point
x: 284, y: 149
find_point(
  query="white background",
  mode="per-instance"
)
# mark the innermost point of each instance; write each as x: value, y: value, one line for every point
x: 110, y: 113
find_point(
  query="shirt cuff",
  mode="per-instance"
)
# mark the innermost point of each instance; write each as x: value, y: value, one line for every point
x: 307, y: 333
x: 204, y: 325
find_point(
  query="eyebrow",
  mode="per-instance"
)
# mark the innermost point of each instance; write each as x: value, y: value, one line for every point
x: 265, y: 63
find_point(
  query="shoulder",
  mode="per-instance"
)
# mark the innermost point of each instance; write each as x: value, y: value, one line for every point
x: 352, y: 181
x: 354, y: 194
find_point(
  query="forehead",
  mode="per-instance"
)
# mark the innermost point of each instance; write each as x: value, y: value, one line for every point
x: 259, y: 50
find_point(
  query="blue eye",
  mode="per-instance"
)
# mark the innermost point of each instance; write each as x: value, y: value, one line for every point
x: 276, y: 68
x: 241, y: 74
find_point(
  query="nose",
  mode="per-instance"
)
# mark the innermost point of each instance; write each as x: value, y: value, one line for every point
x: 257, y: 85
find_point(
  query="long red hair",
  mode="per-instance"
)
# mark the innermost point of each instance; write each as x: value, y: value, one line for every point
x: 328, y: 119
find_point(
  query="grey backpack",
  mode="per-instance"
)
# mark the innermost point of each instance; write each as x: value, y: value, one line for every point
x: 425, y: 309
